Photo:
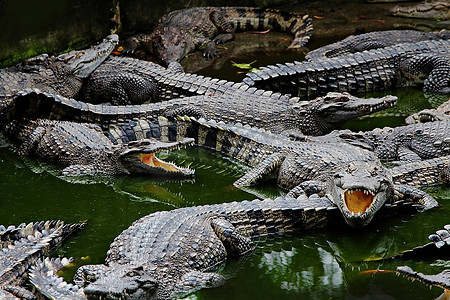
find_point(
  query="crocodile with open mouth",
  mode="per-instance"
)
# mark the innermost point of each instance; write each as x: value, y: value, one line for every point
x: 83, y: 149
x: 270, y: 155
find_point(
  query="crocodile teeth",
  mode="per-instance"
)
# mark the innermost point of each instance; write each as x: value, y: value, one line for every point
x: 358, y: 200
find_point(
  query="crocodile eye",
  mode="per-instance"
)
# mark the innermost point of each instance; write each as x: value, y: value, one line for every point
x: 351, y: 168
x: 135, y: 272
x: 374, y: 172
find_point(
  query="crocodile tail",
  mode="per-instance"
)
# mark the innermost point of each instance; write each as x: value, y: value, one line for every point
x: 249, y: 18
x: 44, y: 277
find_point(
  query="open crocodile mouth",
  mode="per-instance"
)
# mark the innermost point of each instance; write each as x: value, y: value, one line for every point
x: 140, y: 157
x: 440, y: 280
x: 151, y: 160
x: 358, y: 200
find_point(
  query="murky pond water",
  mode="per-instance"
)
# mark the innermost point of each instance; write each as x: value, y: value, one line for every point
x: 323, y: 264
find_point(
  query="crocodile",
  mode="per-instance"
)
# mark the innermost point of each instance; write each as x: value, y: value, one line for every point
x: 299, y: 167
x: 180, y: 250
x: 174, y: 260
x: 63, y: 74
x: 183, y: 31
x: 270, y: 155
x: 84, y: 150
x: 441, y: 279
x: 441, y: 113
x: 315, y: 117
x: 373, y: 40
x: 401, y: 144
x: 137, y: 80
x: 404, y: 64
x: 439, y: 246
x: 433, y: 9
x: 22, y: 247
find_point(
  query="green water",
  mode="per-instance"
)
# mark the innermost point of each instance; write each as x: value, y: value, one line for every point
x: 323, y: 264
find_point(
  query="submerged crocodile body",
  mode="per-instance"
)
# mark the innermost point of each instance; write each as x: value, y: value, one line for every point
x: 430, y: 9
x: 84, y: 150
x: 182, y: 31
x: 400, y: 65
x: 22, y: 246
x: 62, y: 74
x: 374, y: 40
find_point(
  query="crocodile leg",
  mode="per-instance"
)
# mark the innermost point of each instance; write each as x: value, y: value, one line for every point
x: 194, y: 280
x: 210, y: 50
x: 188, y: 110
x: 234, y: 242
x: 225, y: 28
x: 369, y: 45
x: 43, y: 276
x: 119, y: 88
x: 226, y: 33
x: 309, y: 188
x: 435, y: 66
x: 16, y: 292
x: 89, y: 273
x: 265, y: 170
x: 407, y: 156
x: 412, y: 194
x: 32, y: 141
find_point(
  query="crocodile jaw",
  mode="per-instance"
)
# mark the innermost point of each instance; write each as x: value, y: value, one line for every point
x: 359, y: 205
x: 358, y: 201
x: 139, y: 157
x: 441, y: 280
x: 161, y: 166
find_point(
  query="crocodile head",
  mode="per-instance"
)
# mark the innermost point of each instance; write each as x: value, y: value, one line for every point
x: 171, y: 47
x: 441, y: 280
x: 321, y: 115
x: 83, y: 62
x: 350, y: 177
x: 80, y: 63
x: 139, y: 157
x: 360, y: 189
x: 424, y: 10
x: 122, y: 282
